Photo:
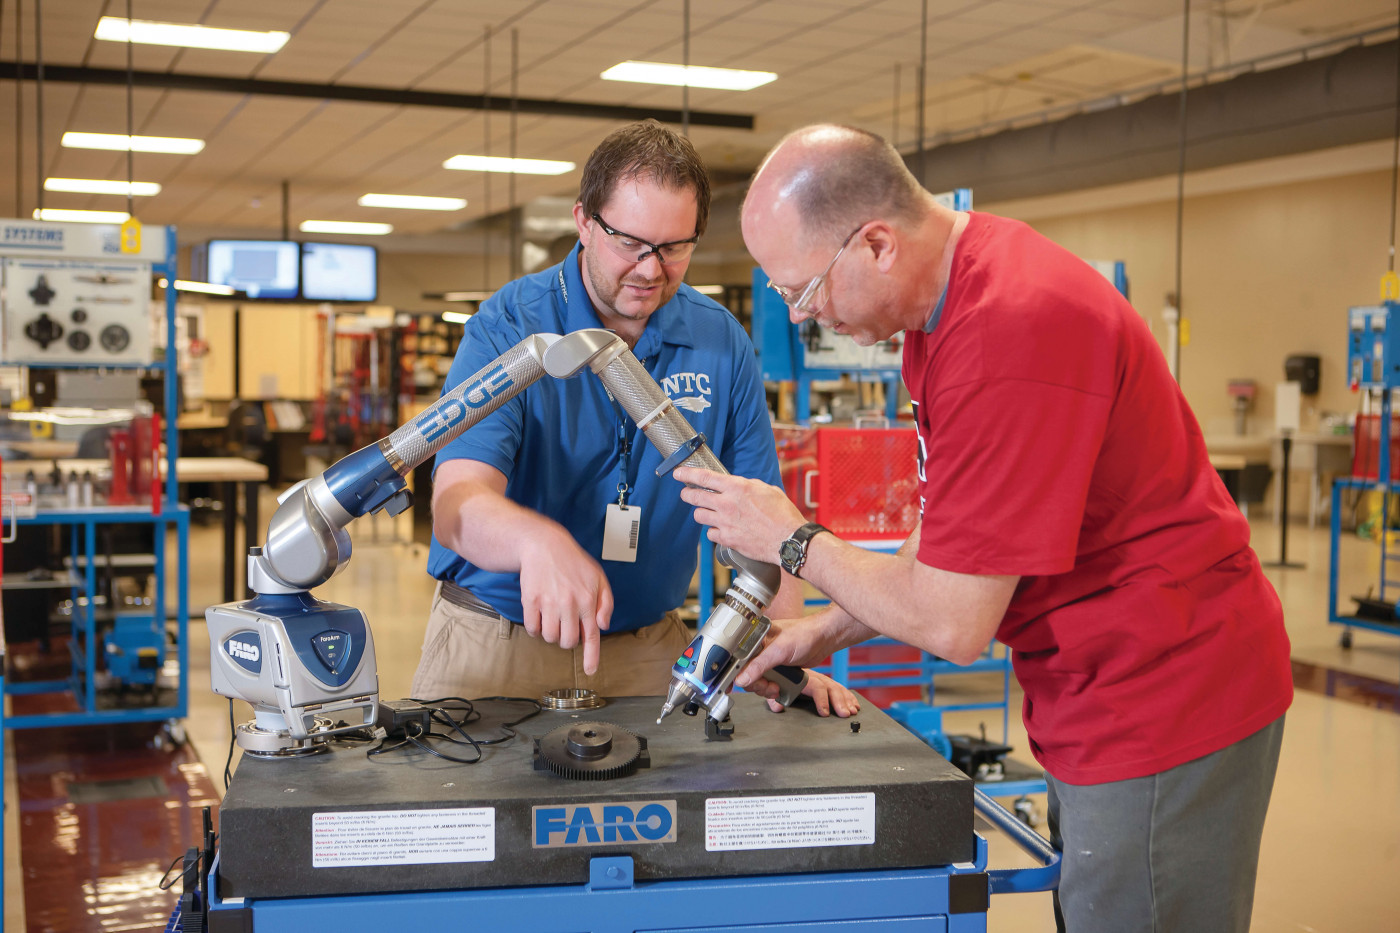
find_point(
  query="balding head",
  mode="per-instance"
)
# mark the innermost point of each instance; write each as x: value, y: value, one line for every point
x: 830, y: 179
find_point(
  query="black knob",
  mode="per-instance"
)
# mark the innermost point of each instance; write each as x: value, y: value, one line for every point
x: 114, y: 338
x: 43, y: 330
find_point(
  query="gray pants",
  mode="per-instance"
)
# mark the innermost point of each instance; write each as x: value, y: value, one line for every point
x: 1167, y: 853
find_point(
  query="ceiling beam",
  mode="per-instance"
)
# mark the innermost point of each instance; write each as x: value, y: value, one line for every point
x: 75, y: 74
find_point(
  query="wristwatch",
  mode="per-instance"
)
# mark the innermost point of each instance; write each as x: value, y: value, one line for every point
x: 792, y: 553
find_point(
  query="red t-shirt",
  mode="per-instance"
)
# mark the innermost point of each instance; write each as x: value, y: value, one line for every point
x: 1054, y: 445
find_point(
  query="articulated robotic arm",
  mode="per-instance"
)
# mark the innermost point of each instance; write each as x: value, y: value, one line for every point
x: 297, y: 659
x: 703, y: 675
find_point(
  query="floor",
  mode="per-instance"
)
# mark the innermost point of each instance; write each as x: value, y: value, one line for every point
x: 1331, y: 853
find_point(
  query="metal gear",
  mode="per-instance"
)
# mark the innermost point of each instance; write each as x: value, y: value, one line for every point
x: 591, y: 751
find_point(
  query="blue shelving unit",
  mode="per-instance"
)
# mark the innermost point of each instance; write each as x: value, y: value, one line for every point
x: 83, y: 523
x: 1373, y: 366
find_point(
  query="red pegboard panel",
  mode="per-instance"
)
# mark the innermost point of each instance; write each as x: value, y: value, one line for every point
x: 797, y: 459
x: 867, y: 486
x: 1366, y: 447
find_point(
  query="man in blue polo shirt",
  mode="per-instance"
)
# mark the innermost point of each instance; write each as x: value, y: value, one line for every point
x: 531, y: 597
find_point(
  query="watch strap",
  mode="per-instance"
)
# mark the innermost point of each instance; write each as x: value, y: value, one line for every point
x: 798, y: 541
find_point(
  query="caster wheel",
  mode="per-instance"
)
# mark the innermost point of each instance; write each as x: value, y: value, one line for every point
x: 1025, y: 812
x: 1346, y: 639
x: 173, y: 733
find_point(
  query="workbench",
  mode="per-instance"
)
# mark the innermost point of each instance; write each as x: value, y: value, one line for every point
x: 816, y: 824
x: 229, y: 472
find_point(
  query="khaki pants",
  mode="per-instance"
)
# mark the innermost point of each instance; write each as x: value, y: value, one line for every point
x: 471, y: 654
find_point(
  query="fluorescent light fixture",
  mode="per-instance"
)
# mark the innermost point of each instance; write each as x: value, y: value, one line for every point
x: 725, y: 79
x: 144, y: 32
x: 82, y: 217
x: 476, y: 163
x: 71, y: 416
x: 413, y: 202
x: 345, y: 226
x: 120, y: 143
x: 101, y: 186
x: 455, y: 317
x: 208, y: 288
x: 465, y: 296
x: 709, y: 289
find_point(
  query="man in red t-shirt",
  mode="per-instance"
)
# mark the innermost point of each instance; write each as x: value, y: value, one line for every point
x: 1069, y: 510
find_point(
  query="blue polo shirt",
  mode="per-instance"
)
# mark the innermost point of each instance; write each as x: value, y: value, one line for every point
x: 557, y: 442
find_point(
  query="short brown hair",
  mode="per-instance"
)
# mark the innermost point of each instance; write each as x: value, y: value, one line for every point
x: 645, y: 150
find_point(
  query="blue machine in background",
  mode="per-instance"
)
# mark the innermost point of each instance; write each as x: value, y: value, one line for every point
x: 1373, y: 367
x: 135, y: 651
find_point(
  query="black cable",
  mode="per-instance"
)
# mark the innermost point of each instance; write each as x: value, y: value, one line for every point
x: 922, y: 91
x: 39, y: 96
x: 229, y: 763
x: 1395, y: 156
x: 130, y: 118
x: 685, y: 65
x: 1181, y: 181
x: 509, y: 727
x: 416, y: 736
x: 166, y: 882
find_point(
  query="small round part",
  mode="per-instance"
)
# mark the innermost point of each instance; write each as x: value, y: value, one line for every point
x: 589, y: 742
x: 572, y: 698
x: 79, y: 316
x: 114, y: 338
x: 79, y: 340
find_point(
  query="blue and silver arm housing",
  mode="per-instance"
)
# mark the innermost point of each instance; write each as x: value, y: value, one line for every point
x: 303, y: 663
x: 306, y: 539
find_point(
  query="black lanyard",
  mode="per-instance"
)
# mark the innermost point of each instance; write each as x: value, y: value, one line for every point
x: 624, y: 443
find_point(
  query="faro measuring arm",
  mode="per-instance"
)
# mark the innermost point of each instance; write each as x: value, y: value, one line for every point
x: 703, y: 675
x: 298, y: 659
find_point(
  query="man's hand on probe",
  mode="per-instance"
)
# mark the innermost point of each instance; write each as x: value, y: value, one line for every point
x: 747, y: 515
x: 827, y: 695
x: 803, y: 643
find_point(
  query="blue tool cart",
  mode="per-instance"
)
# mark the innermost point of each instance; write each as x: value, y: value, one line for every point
x: 77, y: 299
x: 953, y: 898
x: 793, y: 822
x: 1373, y: 367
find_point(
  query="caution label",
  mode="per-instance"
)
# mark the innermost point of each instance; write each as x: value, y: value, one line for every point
x: 403, y: 837
x: 790, y: 822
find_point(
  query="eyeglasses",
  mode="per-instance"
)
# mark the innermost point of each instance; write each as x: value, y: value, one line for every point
x: 635, y: 249
x: 815, y: 296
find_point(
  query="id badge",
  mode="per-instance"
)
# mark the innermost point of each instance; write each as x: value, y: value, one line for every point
x: 620, y: 533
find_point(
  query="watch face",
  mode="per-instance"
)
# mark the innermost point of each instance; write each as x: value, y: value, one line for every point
x: 790, y: 552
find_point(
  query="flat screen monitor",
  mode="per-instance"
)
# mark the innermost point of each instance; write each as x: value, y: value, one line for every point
x: 261, y: 268
x: 339, y: 272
